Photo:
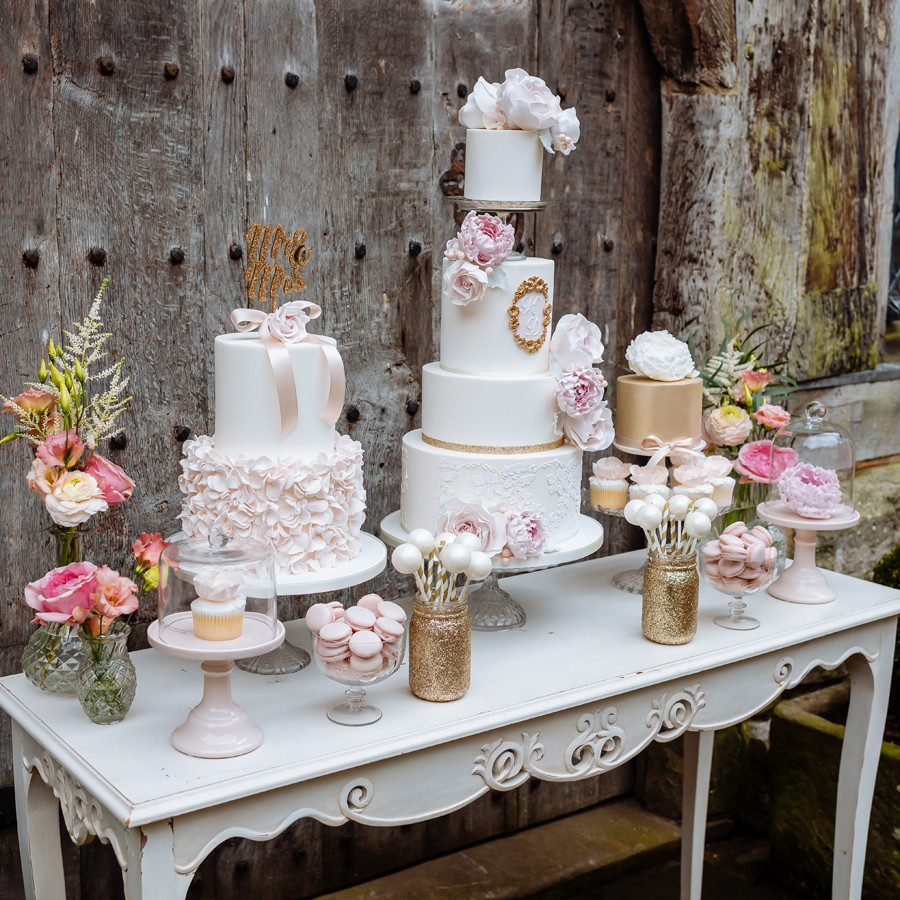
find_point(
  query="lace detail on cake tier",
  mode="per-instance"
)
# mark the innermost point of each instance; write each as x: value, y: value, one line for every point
x: 511, y: 486
x: 310, y: 512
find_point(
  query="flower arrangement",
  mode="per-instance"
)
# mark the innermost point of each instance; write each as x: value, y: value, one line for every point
x: 522, y: 102
x: 744, y: 399
x: 475, y: 256
x: 63, y: 416
x: 672, y: 526
x: 504, y: 533
x: 435, y: 561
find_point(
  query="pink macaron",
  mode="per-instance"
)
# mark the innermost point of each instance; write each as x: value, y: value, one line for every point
x: 388, y: 630
x: 335, y: 632
x: 317, y: 615
x: 390, y: 610
x: 365, y: 644
x: 369, y: 601
x: 359, y: 618
x: 366, y: 665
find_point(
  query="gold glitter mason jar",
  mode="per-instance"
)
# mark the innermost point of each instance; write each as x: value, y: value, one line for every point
x: 440, y: 650
x: 669, y: 608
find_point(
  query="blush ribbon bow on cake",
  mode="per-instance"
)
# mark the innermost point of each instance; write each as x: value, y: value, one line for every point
x: 662, y: 449
x: 287, y: 325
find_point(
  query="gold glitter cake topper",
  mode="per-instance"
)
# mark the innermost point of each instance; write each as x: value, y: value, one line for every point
x: 264, y: 278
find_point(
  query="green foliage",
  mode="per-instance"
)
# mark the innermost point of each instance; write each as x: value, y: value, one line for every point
x: 887, y: 569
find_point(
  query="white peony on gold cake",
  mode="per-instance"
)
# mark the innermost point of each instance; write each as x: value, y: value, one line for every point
x: 508, y: 408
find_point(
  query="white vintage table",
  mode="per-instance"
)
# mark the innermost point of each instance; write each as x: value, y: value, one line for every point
x: 575, y: 692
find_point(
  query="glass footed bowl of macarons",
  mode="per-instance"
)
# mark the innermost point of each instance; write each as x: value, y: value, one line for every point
x: 614, y: 482
x: 357, y: 647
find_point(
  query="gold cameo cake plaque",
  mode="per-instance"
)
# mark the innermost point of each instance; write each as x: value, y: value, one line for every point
x: 530, y: 314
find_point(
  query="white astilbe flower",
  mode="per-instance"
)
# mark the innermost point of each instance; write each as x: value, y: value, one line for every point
x: 721, y: 371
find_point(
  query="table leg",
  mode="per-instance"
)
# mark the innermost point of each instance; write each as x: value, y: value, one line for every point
x: 37, y: 817
x: 870, y: 684
x: 150, y: 874
x: 698, y: 750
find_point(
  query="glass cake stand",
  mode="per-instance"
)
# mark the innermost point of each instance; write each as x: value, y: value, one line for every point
x: 286, y: 658
x: 490, y: 607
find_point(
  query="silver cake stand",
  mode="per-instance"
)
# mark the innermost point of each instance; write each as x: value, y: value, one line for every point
x: 286, y: 657
x: 490, y: 607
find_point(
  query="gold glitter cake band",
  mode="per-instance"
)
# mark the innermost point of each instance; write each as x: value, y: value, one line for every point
x: 498, y: 451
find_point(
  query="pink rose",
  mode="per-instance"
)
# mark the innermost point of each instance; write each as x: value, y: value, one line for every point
x: 31, y: 401
x: 114, y: 484
x: 147, y: 549
x: 525, y: 535
x: 727, y: 426
x: 593, y: 431
x: 756, y: 379
x: 63, y: 594
x: 580, y: 392
x: 576, y: 343
x: 772, y: 416
x: 527, y: 102
x: 464, y: 282
x: 113, y: 594
x: 63, y: 449
x: 753, y: 461
x: 73, y: 498
x: 288, y: 323
x: 810, y: 491
x: 485, y: 240
x: 472, y: 518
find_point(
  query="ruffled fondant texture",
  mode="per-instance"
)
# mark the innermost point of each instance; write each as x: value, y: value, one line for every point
x: 310, y: 512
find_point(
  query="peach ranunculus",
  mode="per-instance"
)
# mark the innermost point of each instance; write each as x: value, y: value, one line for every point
x: 73, y: 498
x: 727, y: 426
x: 42, y: 477
x: 147, y: 549
x: 63, y: 449
x: 772, y: 416
x: 114, y: 594
x: 112, y: 480
x: 759, y: 461
x: 63, y: 594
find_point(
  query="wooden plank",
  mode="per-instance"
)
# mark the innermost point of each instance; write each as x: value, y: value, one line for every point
x: 29, y: 299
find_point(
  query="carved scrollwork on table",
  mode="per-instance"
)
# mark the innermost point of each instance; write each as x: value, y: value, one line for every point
x: 83, y: 814
x: 505, y: 765
x: 672, y: 714
x: 356, y: 796
x: 599, y: 745
x: 784, y: 670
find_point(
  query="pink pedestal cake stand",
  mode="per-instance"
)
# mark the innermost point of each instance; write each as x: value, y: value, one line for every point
x: 216, y: 728
x: 802, y: 582
x: 490, y: 607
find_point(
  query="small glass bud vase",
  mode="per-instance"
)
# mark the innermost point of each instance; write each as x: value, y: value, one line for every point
x: 669, y: 607
x: 440, y: 650
x: 106, y: 680
x: 51, y: 658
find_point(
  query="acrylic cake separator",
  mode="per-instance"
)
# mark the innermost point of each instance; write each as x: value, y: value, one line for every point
x: 286, y: 658
x: 490, y: 607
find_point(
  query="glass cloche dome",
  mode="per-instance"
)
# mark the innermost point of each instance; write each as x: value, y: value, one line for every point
x: 217, y: 589
x: 812, y: 464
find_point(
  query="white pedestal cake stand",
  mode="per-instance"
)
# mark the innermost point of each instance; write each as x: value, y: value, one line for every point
x: 490, y: 607
x: 803, y: 582
x: 216, y: 728
x: 286, y: 657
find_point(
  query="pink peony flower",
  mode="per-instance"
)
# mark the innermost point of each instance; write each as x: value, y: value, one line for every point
x: 727, y: 426
x: 472, y: 518
x: 753, y: 461
x: 576, y: 343
x: 525, y: 535
x: 772, y: 416
x: 63, y: 594
x: 464, y: 282
x: 63, y: 449
x: 147, y: 549
x: 580, y: 392
x: 485, y: 240
x: 527, y: 102
x: 113, y: 594
x: 810, y: 491
x: 73, y: 498
x: 114, y: 484
x: 593, y: 431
